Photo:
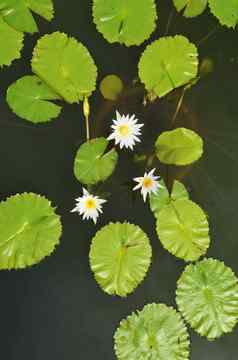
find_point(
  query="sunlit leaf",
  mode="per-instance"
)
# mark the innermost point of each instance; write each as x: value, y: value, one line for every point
x: 179, y: 147
x: 125, y: 21
x: 225, y: 11
x: 29, y: 230
x: 162, y: 196
x: 183, y: 229
x: 92, y: 164
x: 168, y: 63
x: 30, y: 99
x: 111, y: 87
x: 207, y: 296
x: 10, y: 49
x: 191, y: 8
x: 65, y: 65
x: 157, y: 332
x: 120, y: 256
x: 18, y: 15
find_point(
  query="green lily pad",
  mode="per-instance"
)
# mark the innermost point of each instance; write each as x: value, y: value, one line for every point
x: 191, y: 8
x: 168, y: 63
x: 92, y: 164
x: 162, y: 196
x: 207, y: 296
x: 183, y: 229
x: 157, y: 332
x: 225, y: 11
x: 30, y: 98
x: 17, y: 13
x: 179, y: 147
x: 65, y: 65
x: 124, y: 21
x: 29, y: 230
x: 10, y: 49
x: 120, y: 256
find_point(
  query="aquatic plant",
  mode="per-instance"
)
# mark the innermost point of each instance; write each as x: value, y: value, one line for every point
x: 63, y: 71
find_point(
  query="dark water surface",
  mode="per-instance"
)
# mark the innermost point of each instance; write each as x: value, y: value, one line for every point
x: 55, y: 310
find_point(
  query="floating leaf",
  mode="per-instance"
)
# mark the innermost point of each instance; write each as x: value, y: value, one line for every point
x: 162, y: 196
x: 225, y: 11
x: 29, y: 230
x: 65, y: 65
x: 168, y: 63
x: 183, y: 229
x: 124, y: 21
x: 111, y: 87
x: 207, y: 296
x: 157, y: 332
x: 179, y: 147
x: 191, y: 8
x: 17, y: 13
x: 92, y: 164
x: 10, y: 48
x: 120, y: 256
x: 29, y: 98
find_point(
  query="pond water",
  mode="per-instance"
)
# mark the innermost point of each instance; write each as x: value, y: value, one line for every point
x: 55, y: 310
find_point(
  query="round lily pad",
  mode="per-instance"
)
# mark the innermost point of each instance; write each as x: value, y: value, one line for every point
x: 190, y: 8
x: 120, y: 256
x: 65, y: 65
x: 124, y: 21
x: 29, y: 98
x: 179, y: 147
x: 183, y: 229
x: 29, y: 230
x: 92, y: 164
x: 225, y: 11
x: 207, y: 296
x: 157, y: 332
x: 168, y: 63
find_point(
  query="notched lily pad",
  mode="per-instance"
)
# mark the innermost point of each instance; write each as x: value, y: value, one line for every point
x: 120, y: 256
x: 30, y: 99
x: 191, y: 8
x: 183, y: 229
x: 124, y: 21
x: 225, y: 11
x: 92, y: 164
x: 179, y: 147
x: 29, y: 230
x: 207, y: 297
x: 157, y: 332
x: 65, y: 65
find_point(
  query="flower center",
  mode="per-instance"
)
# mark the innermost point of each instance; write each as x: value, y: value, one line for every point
x: 147, y: 183
x: 124, y: 130
x: 90, y: 204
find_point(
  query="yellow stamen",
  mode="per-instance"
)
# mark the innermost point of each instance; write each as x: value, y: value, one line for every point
x: 124, y: 130
x: 90, y: 204
x: 147, y: 182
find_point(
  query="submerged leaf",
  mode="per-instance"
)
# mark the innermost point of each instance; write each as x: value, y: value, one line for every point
x: 207, y: 296
x: 29, y: 230
x: 179, y: 147
x: 120, y: 256
x: 18, y: 15
x: 10, y: 48
x: 162, y: 196
x: 183, y: 229
x: 168, y: 63
x: 157, y: 332
x: 191, y: 8
x: 92, y: 164
x: 225, y: 11
x: 29, y: 98
x: 125, y: 21
x: 65, y: 65
x: 111, y: 87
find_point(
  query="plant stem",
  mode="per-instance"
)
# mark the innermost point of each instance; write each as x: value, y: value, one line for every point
x: 170, y: 18
x: 180, y: 102
x: 206, y: 37
x: 87, y: 128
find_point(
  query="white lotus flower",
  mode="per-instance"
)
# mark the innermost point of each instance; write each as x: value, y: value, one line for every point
x: 89, y: 206
x: 148, y: 184
x: 125, y: 131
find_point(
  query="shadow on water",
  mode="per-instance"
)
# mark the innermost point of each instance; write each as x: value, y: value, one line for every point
x: 55, y: 310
